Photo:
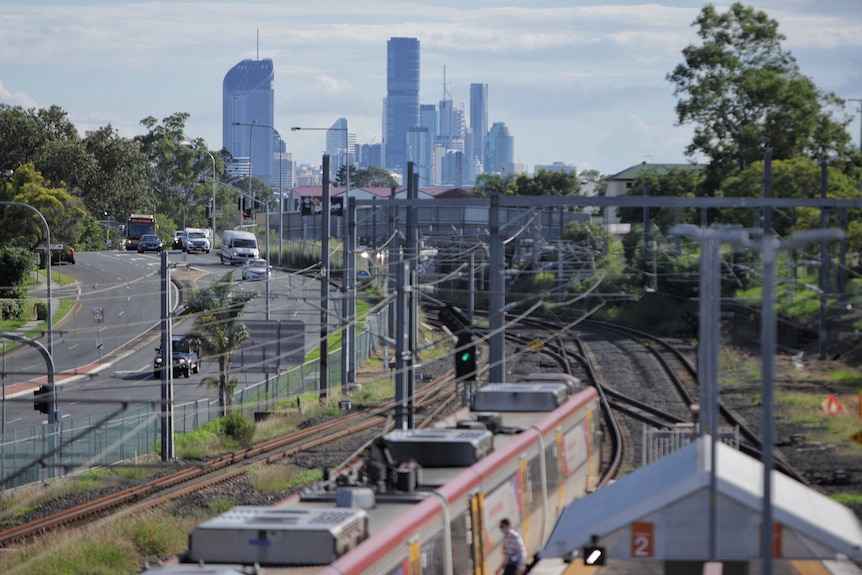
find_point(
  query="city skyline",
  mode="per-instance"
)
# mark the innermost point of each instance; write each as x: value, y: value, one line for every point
x: 583, y: 85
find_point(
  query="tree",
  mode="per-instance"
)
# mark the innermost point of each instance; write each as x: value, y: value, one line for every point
x: 793, y: 178
x: 678, y: 182
x: 746, y: 95
x: 15, y: 265
x: 120, y: 181
x: 547, y: 183
x: 489, y: 183
x: 371, y: 177
x: 218, y: 332
x: 64, y: 213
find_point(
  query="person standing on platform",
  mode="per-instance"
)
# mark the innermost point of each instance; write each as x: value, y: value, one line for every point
x: 514, y: 551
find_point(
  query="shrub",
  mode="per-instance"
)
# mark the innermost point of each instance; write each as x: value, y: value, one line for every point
x: 41, y: 311
x: 238, y: 428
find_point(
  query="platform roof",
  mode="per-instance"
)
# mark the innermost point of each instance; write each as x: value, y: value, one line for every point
x: 672, y: 497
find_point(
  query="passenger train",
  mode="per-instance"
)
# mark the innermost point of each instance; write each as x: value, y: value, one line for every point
x: 428, y: 501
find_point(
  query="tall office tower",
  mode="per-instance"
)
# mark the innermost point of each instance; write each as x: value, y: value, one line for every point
x: 428, y: 119
x: 341, y: 146
x: 248, y: 97
x: 478, y: 123
x: 282, y: 171
x: 402, y: 99
x: 419, y: 151
x: 499, y: 148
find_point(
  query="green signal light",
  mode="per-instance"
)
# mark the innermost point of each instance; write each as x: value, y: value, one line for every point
x: 465, y: 356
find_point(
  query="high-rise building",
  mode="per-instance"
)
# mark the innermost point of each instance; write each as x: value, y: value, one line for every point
x: 499, y: 148
x: 248, y: 98
x: 402, y: 99
x: 419, y: 151
x: 340, y: 146
x: 478, y: 125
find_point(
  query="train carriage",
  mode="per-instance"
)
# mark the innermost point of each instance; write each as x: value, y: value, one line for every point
x: 443, y: 521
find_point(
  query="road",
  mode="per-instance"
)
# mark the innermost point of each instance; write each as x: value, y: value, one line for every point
x: 124, y: 290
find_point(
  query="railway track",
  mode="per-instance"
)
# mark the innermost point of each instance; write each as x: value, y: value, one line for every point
x: 435, y: 396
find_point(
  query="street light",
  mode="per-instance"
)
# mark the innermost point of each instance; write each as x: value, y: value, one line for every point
x: 250, y: 133
x: 213, y: 213
x: 348, y: 303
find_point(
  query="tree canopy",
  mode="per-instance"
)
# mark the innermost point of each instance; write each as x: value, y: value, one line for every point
x: 744, y: 95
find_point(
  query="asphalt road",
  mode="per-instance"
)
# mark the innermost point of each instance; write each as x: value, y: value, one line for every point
x: 110, y: 338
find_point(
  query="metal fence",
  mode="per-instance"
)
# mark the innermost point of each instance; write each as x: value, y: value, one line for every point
x: 43, y: 452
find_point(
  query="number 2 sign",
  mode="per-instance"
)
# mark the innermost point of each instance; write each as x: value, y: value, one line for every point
x: 643, y: 537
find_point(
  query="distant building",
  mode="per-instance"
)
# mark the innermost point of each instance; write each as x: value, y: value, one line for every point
x: 340, y: 146
x: 248, y: 97
x: 620, y: 183
x: 499, y: 149
x: 478, y: 127
x: 402, y: 100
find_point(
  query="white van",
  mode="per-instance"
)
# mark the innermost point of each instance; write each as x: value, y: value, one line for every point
x: 238, y: 247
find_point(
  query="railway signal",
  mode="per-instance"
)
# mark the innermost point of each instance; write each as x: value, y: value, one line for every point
x: 41, y: 397
x: 465, y: 359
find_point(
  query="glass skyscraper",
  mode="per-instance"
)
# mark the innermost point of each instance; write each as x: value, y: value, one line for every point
x: 499, y: 148
x: 402, y: 99
x: 248, y: 97
x: 478, y: 124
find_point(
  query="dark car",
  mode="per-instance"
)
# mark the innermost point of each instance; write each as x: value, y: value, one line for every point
x: 64, y: 255
x: 150, y: 243
x: 185, y: 359
x: 177, y: 242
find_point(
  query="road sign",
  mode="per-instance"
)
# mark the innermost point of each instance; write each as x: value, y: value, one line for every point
x: 536, y: 345
x: 97, y: 313
x: 362, y: 275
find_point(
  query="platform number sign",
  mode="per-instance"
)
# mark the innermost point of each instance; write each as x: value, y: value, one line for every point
x: 643, y: 539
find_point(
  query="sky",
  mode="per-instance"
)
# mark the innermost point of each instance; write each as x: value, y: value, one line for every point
x: 578, y: 82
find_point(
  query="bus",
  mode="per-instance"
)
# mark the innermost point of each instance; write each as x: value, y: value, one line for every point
x: 136, y: 226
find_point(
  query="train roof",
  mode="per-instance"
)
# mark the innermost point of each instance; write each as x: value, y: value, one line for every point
x: 459, y: 433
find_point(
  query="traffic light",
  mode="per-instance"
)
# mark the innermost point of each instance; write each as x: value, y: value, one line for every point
x: 248, y: 213
x: 465, y: 359
x: 594, y: 554
x: 41, y: 399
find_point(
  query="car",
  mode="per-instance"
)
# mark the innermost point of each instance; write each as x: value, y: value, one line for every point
x: 256, y: 269
x: 195, y: 240
x: 186, y: 360
x: 150, y: 243
x: 177, y: 242
x: 63, y: 255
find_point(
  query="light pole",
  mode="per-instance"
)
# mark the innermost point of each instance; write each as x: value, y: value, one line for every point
x: 213, y: 212
x: 348, y: 303
x: 250, y: 133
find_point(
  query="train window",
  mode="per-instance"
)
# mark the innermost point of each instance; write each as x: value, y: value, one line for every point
x: 534, y: 476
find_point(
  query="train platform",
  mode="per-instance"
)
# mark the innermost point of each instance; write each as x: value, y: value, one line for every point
x: 658, y: 520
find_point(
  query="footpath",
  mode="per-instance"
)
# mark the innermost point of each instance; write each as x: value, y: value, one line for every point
x: 36, y: 329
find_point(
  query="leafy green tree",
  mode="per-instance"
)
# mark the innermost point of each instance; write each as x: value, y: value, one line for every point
x: 588, y: 235
x: 675, y: 182
x: 547, y: 183
x: 489, y: 183
x: 745, y: 95
x: 15, y: 265
x: 218, y: 331
x: 64, y: 213
x: 120, y: 181
x: 794, y: 178
x: 371, y: 177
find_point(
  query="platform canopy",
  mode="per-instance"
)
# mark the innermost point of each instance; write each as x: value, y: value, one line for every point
x: 661, y: 512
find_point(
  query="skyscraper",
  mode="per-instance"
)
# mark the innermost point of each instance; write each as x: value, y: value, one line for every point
x: 402, y: 99
x: 248, y: 97
x: 341, y: 146
x: 499, y: 148
x: 478, y: 124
